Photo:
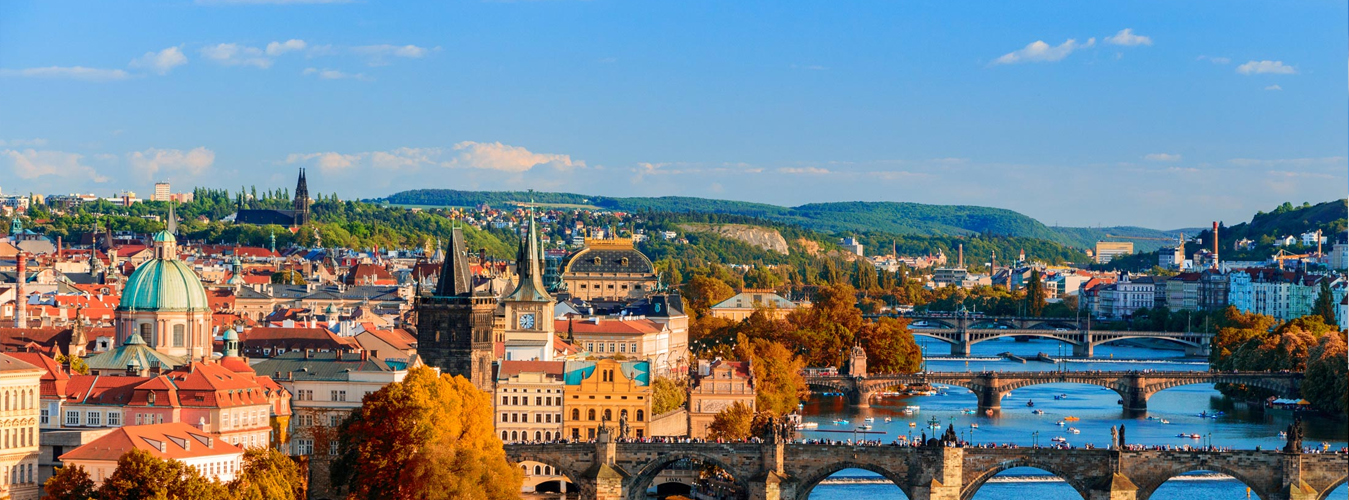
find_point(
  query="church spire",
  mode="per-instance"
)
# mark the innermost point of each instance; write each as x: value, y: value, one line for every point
x: 455, y: 279
x: 529, y: 266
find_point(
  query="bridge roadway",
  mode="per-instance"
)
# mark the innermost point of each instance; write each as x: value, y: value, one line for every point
x: 1133, y: 387
x: 605, y: 470
x: 963, y: 331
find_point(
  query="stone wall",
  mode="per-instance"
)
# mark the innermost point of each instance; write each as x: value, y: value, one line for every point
x: 673, y: 423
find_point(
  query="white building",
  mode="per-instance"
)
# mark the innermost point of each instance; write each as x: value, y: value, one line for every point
x: 211, y: 456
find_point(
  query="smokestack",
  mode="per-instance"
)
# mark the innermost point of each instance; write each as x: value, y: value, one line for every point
x: 21, y: 298
x: 961, y: 252
x: 1215, y: 244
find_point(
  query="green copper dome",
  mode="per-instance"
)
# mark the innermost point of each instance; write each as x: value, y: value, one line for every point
x: 164, y: 285
x: 164, y: 236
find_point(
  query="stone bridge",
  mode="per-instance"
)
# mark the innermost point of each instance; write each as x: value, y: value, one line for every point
x: 605, y: 470
x: 963, y: 331
x: 1134, y: 388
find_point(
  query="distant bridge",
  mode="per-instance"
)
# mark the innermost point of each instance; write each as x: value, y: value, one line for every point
x: 963, y: 331
x: 606, y: 470
x: 1133, y: 387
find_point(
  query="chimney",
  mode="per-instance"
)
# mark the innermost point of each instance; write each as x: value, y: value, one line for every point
x: 364, y: 354
x: 58, y: 249
x: 960, y: 251
x: 1215, y: 244
x: 21, y: 298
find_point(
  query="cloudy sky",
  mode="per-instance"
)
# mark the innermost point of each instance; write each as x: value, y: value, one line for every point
x: 1161, y: 114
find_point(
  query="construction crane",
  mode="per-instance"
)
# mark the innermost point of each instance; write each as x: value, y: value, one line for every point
x: 1284, y: 255
x: 1122, y: 237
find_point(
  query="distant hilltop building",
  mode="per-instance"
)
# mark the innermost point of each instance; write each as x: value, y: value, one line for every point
x: 298, y: 216
x: 1108, y: 250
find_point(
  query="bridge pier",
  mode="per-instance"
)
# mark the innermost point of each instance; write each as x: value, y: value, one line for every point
x: 1084, y: 350
x: 1134, y: 396
x: 1115, y: 487
x: 947, y: 469
x: 1197, y: 351
x: 960, y: 349
x: 989, y: 399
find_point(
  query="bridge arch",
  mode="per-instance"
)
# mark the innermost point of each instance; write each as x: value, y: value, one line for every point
x: 1147, y: 486
x: 1175, y: 340
x: 813, y: 478
x: 1325, y: 495
x: 972, y: 487
x: 641, y: 480
x: 978, y: 336
x: 559, y: 463
x: 1068, y: 378
x: 1283, y: 387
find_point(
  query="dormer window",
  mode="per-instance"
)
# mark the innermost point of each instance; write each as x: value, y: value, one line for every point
x: 596, y: 260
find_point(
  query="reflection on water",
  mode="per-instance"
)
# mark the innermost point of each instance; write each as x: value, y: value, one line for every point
x: 1096, y: 408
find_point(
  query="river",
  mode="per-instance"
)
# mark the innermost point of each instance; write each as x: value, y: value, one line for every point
x: 1096, y: 407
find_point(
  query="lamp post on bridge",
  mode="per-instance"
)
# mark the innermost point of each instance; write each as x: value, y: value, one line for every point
x: 1035, y: 439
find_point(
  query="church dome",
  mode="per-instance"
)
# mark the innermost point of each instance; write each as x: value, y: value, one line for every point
x: 164, y: 285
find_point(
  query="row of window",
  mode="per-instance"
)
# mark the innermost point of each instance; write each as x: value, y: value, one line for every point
x: 21, y: 474
x: 590, y: 433
x: 539, y: 418
x: 306, y: 447
x: 538, y: 400
x: 18, y: 438
x: 95, y: 418
x: 307, y: 420
x: 250, y: 419
x: 333, y: 395
x: 215, y: 469
x: 517, y: 436
x: 619, y: 347
x: 608, y: 414
x: 611, y: 287
x: 19, y: 399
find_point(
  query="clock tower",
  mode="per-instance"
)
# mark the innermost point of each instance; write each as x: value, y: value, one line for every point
x: 454, y: 322
x: 529, y: 309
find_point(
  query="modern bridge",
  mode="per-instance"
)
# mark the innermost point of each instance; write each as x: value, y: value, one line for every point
x: 775, y: 470
x: 963, y: 331
x: 1133, y: 387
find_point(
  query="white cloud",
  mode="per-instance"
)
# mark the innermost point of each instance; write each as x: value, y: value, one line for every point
x: 804, y: 170
x: 152, y: 161
x: 1273, y: 87
x: 278, y: 48
x: 1266, y: 67
x: 502, y: 157
x: 160, y: 62
x: 1162, y: 157
x: 69, y: 72
x: 376, y: 54
x: 1039, y: 51
x: 328, y: 162
x: 1214, y: 60
x: 1126, y: 37
x: 332, y: 74
x: 31, y: 164
x: 233, y: 54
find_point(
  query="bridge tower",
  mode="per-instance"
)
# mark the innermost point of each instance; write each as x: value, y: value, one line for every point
x: 857, y: 361
x: 606, y: 474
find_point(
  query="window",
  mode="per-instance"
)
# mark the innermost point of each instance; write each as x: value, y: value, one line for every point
x: 179, y: 334
x: 304, y: 446
x: 590, y: 414
x: 538, y: 400
x: 575, y: 414
x: 114, y: 418
x: 92, y: 418
x: 145, y: 334
x: 504, y: 417
x: 305, y: 395
x: 640, y: 414
x: 538, y: 418
x: 334, y: 421
x: 622, y: 348
x: 608, y: 414
x: 339, y: 395
x: 515, y: 400
x: 332, y: 447
x: 515, y: 417
x: 633, y: 347
x: 505, y: 400
x: 44, y: 419
x: 72, y: 417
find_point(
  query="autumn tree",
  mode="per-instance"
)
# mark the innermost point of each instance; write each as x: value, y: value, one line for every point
x: 667, y: 394
x: 778, y: 384
x: 140, y: 475
x: 428, y: 436
x: 703, y: 292
x: 731, y: 424
x: 890, y: 347
x: 71, y: 482
x: 268, y: 474
x: 1327, y: 384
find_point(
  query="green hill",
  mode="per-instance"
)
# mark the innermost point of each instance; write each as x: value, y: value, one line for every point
x: 842, y: 217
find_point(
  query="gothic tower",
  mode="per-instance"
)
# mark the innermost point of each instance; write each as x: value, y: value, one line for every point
x: 529, y: 308
x: 301, y: 202
x: 454, y: 323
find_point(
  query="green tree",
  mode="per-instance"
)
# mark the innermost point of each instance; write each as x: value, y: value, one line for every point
x: 288, y: 277
x: 268, y: 474
x: 77, y: 364
x: 427, y: 437
x: 703, y: 292
x: 1325, y: 303
x: 141, y: 475
x: 1035, y: 294
x: 667, y: 394
x: 732, y: 424
x: 69, y: 483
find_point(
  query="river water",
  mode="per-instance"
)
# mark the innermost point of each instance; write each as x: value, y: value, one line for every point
x: 1096, y: 407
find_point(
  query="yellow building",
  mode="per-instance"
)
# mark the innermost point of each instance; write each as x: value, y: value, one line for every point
x: 19, y: 402
x: 606, y: 392
x: 744, y: 304
x: 1107, y: 250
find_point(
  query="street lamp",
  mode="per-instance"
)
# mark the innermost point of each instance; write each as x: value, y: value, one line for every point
x: 1035, y: 439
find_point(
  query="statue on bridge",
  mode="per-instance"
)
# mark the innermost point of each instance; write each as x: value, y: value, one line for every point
x: 1114, y: 438
x: 1294, y: 436
x: 1120, y: 444
x: 623, y: 426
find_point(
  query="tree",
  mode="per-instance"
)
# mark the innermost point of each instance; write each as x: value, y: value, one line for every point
x: 141, y: 475
x: 1325, y: 304
x: 667, y: 394
x: 77, y: 364
x: 703, y: 292
x: 268, y: 474
x: 779, y: 386
x: 69, y: 483
x: 732, y: 424
x: 428, y: 437
x: 1035, y: 294
x: 1327, y: 384
x: 890, y: 347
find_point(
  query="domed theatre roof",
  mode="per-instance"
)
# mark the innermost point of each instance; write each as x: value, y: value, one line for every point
x: 603, y: 259
x: 164, y: 285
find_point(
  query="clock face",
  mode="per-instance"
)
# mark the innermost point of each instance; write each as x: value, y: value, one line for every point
x: 526, y: 321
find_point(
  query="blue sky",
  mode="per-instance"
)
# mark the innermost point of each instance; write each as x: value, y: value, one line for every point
x: 1162, y: 114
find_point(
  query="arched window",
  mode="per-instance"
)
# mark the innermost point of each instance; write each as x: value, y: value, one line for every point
x: 575, y: 413
x: 639, y: 415
x: 538, y: 470
x: 548, y: 436
x: 6, y: 400
x: 515, y: 436
x: 590, y: 414
x: 179, y: 335
x: 503, y: 435
x: 608, y: 414
x: 538, y: 436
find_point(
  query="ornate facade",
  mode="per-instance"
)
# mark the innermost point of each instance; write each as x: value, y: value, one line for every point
x: 529, y: 308
x: 609, y: 269
x: 165, y: 304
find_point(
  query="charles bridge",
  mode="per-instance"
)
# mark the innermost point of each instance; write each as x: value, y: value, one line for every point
x: 775, y: 470
x: 1133, y: 387
x: 964, y: 330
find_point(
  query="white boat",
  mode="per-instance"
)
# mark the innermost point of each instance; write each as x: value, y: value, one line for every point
x: 974, y: 426
x: 807, y: 426
x: 839, y: 421
x: 1061, y: 424
x: 913, y: 424
x: 869, y: 419
x: 912, y: 407
x: 1059, y: 439
x: 1037, y: 412
x: 1164, y: 421
x: 864, y: 428
x: 887, y: 420
x: 1074, y: 430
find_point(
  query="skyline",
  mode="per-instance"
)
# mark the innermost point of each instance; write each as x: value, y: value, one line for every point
x: 1184, y: 115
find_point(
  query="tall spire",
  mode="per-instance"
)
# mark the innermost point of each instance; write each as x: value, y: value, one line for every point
x: 172, y: 226
x: 454, y: 276
x: 529, y: 266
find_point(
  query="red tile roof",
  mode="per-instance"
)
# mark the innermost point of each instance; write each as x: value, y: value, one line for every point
x: 508, y: 369
x: 608, y: 326
x: 52, y: 383
x: 175, y: 440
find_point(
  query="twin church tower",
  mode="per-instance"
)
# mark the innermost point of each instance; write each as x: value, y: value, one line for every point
x: 454, y: 322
